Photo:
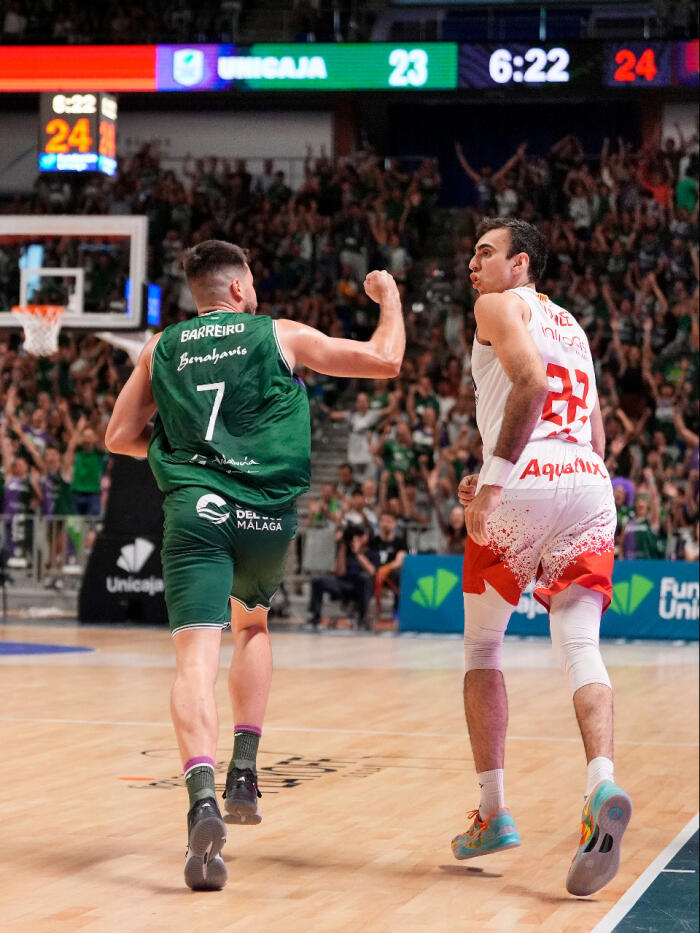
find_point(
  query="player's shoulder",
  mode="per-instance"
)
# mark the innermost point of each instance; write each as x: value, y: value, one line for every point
x: 499, y: 302
x: 497, y: 312
x: 146, y: 355
x: 287, y: 325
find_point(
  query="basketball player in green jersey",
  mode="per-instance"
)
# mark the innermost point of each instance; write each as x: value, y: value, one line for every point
x: 230, y: 448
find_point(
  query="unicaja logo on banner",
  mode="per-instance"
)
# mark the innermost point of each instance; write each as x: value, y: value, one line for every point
x: 188, y: 66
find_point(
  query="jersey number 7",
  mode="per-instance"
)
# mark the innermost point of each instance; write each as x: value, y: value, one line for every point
x: 217, y: 387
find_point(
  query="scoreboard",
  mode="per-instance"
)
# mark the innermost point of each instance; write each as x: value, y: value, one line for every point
x: 77, y: 133
x: 578, y: 67
x: 551, y: 69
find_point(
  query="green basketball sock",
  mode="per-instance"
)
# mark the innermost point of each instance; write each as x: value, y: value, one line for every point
x: 199, y: 778
x: 245, y: 747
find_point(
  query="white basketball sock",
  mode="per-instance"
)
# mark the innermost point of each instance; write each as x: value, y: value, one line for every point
x: 599, y: 769
x: 491, y: 784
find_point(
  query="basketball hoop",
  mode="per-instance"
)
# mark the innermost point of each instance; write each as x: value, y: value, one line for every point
x: 41, y: 325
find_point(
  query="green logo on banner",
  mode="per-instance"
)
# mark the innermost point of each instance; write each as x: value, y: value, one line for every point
x: 431, y: 592
x: 630, y: 594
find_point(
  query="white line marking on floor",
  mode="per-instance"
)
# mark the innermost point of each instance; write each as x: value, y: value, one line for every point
x: 632, y: 895
x: 426, y: 735
x: 678, y: 871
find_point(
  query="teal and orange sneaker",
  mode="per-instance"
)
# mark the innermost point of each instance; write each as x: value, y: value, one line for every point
x: 603, y: 822
x: 495, y: 833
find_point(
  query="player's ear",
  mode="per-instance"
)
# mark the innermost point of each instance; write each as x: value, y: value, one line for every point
x: 521, y: 261
x: 236, y: 288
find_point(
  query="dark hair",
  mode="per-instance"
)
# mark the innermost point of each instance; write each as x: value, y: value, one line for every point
x: 353, y: 531
x: 211, y: 256
x: 524, y: 238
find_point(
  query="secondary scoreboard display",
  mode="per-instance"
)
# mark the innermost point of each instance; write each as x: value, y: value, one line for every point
x: 77, y: 133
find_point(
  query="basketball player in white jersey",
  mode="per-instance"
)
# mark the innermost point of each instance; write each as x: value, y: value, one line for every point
x: 541, y: 506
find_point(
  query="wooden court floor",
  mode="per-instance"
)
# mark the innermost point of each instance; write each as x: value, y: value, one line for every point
x: 366, y: 775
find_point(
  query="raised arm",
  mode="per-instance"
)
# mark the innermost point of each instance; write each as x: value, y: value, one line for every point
x: 26, y: 441
x: 68, y: 459
x: 514, y: 159
x: 6, y: 449
x: 380, y: 357
x: 129, y: 429
x: 654, y: 500
x: 469, y: 171
x: 660, y: 297
x: 687, y: 436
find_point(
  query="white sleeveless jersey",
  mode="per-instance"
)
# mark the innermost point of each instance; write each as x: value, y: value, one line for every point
x: 559, y: 451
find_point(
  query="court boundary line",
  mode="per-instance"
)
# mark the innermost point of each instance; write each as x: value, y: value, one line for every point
x: 646, y: 879
x: 324, y: 731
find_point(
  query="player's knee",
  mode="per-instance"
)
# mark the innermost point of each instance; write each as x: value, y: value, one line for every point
x: 486, y: 618
x: 575, y: 624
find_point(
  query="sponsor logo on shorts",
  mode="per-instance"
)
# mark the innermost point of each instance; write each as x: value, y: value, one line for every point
x: 550, y: 470
x: 432, y: 591
x: 213, y: 508
x: 254, y: 521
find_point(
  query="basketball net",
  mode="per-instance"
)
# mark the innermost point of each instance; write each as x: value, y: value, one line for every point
x: 41, y: 325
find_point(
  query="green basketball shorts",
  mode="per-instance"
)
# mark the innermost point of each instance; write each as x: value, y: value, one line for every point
x: 214, y: 549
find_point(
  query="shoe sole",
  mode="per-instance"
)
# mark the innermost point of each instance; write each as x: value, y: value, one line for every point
x: 205, y: 874
x: 591, y: 871
x: 241, y: 812
x: 203, y: 870
x: 472, y: 853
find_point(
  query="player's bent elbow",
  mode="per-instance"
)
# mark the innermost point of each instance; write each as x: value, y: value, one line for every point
x: 393, y: 369
x: 538, y: 389
x: 115, y: 442
x: 532, y: 388
x: 390, y: 363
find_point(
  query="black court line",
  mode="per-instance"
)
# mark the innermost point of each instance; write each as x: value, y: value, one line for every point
x: 664, y: 899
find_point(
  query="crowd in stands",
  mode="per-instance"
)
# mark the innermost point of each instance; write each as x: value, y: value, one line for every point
x: 67, y: 22
x: 622, y: 225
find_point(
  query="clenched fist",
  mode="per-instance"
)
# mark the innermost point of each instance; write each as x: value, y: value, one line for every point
x: 380, y: 285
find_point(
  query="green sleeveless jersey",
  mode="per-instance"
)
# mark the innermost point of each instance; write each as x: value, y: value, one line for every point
x: 231, y: 415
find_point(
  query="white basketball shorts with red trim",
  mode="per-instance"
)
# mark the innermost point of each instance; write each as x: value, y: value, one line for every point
x: 559, y: 539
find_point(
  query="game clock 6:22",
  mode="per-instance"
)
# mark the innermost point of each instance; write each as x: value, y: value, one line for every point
x: 524, y: 66
x: 77, y: 133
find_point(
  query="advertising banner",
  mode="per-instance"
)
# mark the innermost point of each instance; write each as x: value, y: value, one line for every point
x: 651, y: 599
x: 123, y: 581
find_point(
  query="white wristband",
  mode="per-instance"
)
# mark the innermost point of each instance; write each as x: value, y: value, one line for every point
x: 496, y: 472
